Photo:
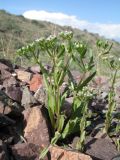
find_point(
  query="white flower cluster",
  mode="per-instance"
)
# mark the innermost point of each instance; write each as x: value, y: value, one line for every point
x: 85, y: 92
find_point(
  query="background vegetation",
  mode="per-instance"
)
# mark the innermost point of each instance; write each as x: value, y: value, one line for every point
x: 17, y: 31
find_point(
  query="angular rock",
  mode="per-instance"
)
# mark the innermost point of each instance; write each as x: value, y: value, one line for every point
x: 4, y: 75
x: 1, y: 87
x: 14, y: 93
x: 67, y: 106
x: 27, y: 98
x: 41, y: 95
x: 116, y: 157
x: 26, y: 151
x: 8, y: 106
x: 5, y: 99
x: 35, y: 82
x: 5, y: 121
x: 35, y: 69
x: 62, y: 154
x: 7, y: 63
x: 3, y: 151
x: 36, y: 130
x: 10, y: 82
x: 3, y: 66
x: 4, y: 109
x: 23, y: 76
x: 101, y: 148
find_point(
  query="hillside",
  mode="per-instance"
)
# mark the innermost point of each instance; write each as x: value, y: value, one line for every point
x: 16, y: 31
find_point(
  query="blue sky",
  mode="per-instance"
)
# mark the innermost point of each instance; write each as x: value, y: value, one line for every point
x: 98, y: 16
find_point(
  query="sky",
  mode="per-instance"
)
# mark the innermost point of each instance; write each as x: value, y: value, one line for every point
x: 97, y: 16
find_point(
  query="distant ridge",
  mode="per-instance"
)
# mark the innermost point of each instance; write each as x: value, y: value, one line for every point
x: 17, y: 31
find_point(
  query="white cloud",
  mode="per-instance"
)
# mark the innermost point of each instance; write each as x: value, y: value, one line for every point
x: 109, y: 30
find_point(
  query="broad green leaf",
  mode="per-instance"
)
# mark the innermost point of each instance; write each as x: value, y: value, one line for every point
x: 71, y: 127
x: 61, y: 121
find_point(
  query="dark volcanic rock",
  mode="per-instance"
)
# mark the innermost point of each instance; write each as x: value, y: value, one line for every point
x: 41, y: 95
x: 4, y: 75
x: 14, y: 93
x: 26, y: 151
x: 5, y: 121
x: 3, y: 151
x: 27, y: 98
x: 100, y: 148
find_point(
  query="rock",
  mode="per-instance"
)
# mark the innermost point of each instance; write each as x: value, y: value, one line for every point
x: 4, y: 75
x: 101, y: 148
x: 5, y: 99
x: 4, y: 109
x: 67, y: 106
x: 3, y: 151
x: 11, y: 81
x: 35, y: 82
x: 3, y: 66
x: 23, y: 76
x: 63, y: 154
x: 41, y: 95
x: 7, y: 63
x: 101, y: 82
x: 99, y: 102
x: 116, y: 157
x: 35, y: 69
x: 27, y: 98
x: 1, y: 87
x: 36, y: 130
x: 8, y: 106
x: 14, y: 93
x: 26, y: 151
x: 5, y: 121
x: 74, y: 142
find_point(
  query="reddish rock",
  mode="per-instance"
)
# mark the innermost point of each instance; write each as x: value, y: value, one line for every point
x: 63, y: 154
x: 35, y: 82
x: 26, y: 151
x: 23, y: 76
x: 36, y: 130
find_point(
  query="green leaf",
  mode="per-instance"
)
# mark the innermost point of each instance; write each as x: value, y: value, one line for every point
x: 56, y: 137
x: 82, y: 136
x: 44, y: 153
x: 71, y: 127
x: 61, y: 51
x: 61, y: 121
x: 86, y: 81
